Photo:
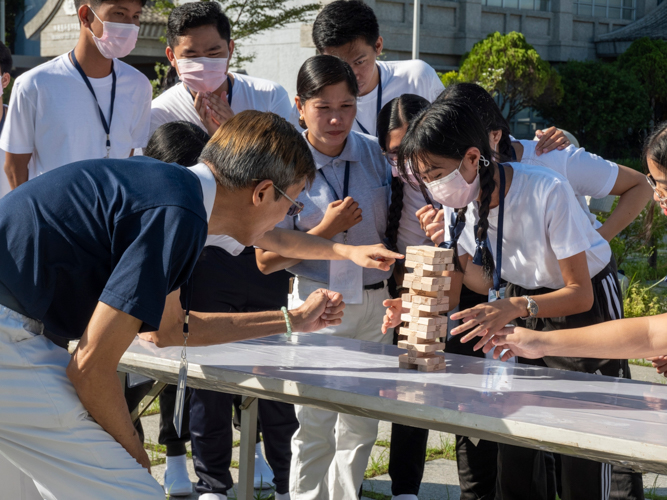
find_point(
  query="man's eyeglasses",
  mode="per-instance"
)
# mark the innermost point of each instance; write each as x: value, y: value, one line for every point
x: 651, y: 181
x: 296, y: 207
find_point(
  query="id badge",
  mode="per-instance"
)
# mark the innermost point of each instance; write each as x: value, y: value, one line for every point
x: 180, y: 393
x: 493, y: 296
x: 347, y: 278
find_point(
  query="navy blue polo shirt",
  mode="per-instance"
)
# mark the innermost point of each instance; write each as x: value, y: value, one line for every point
x: 123, y: 232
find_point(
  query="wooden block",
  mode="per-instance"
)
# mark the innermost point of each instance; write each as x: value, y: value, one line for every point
x: 419, y: 286
x: 439, y: 330
x: 432, y: 359
x: 414, y: 339
x: 439, y: 294
x: 428, y: 251
x: 427, y: 280
x: 428, y: 267
x: 432, y: 347
x: 422, y: 335
x: 429, y: 320
x: 429, y: 301
x: 422, y: 309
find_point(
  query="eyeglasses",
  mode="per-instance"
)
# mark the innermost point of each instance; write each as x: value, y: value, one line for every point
x: 392, y: 158
x: 295, y: 208
x: 651, y: 181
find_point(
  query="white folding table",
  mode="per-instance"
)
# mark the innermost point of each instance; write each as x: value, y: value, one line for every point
x: 603, y: 418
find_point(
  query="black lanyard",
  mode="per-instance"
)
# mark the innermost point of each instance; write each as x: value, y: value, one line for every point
x: 499, y: 243
x: 107, y: 126
x: 346, y: 185
x: 4, y: 115
x: 230, y: 91
x: 379, y: 106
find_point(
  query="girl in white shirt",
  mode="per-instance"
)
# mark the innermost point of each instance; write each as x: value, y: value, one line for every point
x: 556, y: 265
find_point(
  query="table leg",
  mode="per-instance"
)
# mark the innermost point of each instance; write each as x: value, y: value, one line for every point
x: 246, y: 488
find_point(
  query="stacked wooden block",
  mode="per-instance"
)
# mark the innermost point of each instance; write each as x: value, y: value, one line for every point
x: 428, y: 301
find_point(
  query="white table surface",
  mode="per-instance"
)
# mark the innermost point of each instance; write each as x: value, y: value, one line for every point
x: 609, y: 419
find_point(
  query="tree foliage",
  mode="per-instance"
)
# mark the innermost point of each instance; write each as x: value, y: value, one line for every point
x: 510, y: 68
x: 251, y: 17
x: 646, y: 59
x: 606, y: 108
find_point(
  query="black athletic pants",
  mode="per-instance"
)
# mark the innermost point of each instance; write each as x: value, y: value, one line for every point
x: 223, y: 283
x: 523, y: 472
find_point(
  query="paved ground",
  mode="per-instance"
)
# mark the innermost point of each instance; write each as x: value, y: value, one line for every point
x: 440, y: 480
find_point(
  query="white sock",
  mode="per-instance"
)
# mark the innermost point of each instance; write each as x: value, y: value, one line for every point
x: 401, y: 497
x: 282, y: 496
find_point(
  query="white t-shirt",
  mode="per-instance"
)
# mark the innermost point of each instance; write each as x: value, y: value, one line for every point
x: 248, y: 92
x: 398, y: 78
x: 54, y: 116
x: 588, y: 174
x: 542, y: 225
x: 177, y: 104
x: 410, y: 232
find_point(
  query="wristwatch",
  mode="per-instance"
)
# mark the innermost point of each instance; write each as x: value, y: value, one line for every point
x: 531, y: 308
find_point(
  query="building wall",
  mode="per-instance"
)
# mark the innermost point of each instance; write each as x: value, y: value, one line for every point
x: 449, y: 29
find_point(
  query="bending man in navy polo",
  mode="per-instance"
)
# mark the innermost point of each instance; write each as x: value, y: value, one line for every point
x: 98, y: 250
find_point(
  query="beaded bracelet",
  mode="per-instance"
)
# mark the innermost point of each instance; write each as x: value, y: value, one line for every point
x: 288, y: 323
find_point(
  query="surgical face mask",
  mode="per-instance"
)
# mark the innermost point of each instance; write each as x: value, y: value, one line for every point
x: 203, y: 74
x: 453, y: 191
x: 118, y: 39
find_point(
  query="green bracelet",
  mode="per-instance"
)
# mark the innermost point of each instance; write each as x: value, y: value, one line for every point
x: 287, y: 322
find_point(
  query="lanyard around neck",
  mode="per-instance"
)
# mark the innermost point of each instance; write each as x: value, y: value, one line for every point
x: 378, y: 106
x: 499, y: 243
x: 4, y: 115
x: 230, y: 91
x: 105, y: 125
x: 346, y: 183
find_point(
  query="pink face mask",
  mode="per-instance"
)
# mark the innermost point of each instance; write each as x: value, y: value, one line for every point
x: 118, y: 39
x: 203, y: 74
x: 453, y: 190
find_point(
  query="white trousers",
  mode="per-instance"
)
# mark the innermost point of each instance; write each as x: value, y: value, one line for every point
x: 330, y: 450
x: 47, y: 433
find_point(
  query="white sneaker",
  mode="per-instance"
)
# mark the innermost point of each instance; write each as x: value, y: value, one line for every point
x: 282, y: 496
x: 176, y: 480
x: 212, y: 496
x: 401, y: 497
x: 263, y: 473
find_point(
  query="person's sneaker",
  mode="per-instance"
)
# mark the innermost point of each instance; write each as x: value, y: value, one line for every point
x: 176, y: 480
x: 282, y: 496
x: 263, y: 473
x: 401, y: 497
x: 212, y: 496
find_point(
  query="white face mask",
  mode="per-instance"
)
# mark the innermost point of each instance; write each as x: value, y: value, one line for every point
x: 453, y: 191
x: 118, y: 39
x: 203, y: 74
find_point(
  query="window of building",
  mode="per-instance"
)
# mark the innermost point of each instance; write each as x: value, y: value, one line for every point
x: 543, y: 5
x: 612, y: 9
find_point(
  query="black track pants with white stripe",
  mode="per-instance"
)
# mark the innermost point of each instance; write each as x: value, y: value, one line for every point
x: 521, y: 471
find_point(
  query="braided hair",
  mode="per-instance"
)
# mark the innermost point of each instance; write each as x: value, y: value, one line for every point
x: 448, y: 129
x: 394, y: 115
x: 488, y: 111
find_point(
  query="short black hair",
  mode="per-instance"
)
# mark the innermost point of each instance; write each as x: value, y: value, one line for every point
x: 6, y: 63
x: 96, y: 3
x: 177, y: 142
x: 193, y: 15
x: 321, y: 71
x: 344, y: 21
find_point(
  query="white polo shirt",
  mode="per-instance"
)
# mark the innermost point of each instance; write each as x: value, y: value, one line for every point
x: 54, y: 116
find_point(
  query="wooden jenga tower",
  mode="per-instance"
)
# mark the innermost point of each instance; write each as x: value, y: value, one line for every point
x: 428, y: 300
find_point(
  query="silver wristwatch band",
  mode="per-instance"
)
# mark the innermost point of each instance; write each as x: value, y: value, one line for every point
x: 532, y: 308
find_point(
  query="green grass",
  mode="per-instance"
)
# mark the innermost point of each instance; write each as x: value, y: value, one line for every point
x: 640, y: 362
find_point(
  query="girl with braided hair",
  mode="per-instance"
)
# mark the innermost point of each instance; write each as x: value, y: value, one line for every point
x: 521, y: 225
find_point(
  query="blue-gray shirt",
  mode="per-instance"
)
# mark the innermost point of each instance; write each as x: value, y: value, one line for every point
x: 369, y: 185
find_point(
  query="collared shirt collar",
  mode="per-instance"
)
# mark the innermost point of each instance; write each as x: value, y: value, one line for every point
x: 350, y: 152
x: 208, y: 186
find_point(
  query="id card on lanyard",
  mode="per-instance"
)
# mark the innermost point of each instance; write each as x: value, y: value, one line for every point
x: 179, y: 406
x: 498, y: 292
x: 345, y: 277
x: 105, y: 125
x: 379, y: 107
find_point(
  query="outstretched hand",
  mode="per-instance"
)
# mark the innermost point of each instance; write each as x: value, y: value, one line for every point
x: 372, y: 256
x: 322, y: 308
x: 517, y: 341
x: 486, y: 319
x: 392, y: 317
